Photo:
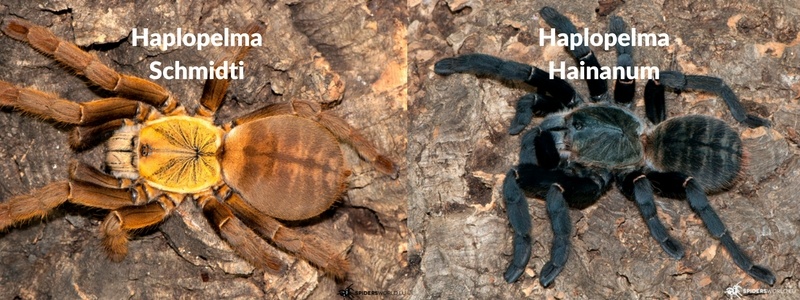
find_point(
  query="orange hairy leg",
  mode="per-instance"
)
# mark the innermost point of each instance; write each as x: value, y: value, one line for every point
x: 241, y: 238
x: 118, y: 223
x: 308, y: 247
x: 41, y: 201
x: 88, y: 65
x: 214, y: 89
x: 51, y: 107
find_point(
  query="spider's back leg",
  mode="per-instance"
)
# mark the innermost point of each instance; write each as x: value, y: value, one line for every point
x: 638, y: 188
x: 696, y: 196
x: 680, y: 81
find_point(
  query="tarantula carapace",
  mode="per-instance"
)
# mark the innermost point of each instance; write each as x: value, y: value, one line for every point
x: 280, y: 162
x: 579, y: 149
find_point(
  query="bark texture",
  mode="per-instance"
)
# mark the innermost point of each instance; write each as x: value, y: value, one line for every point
x: 459, y: 151
x: 347, y: 55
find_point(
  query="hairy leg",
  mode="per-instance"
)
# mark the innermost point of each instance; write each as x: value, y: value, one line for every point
x: 50, y: 107
x: 654, y: 103
x: 214, y: 89
x: 698, y: 201
x: 314, y: 250
x: 680, y: 81
x: 40, y: 202
x: 624, y: 87
x: 520, y: 219
x: 636, y: 186
x: 89, y: 65
x: 562, y: 227
x: 240, y: 237
x: 598, y: 88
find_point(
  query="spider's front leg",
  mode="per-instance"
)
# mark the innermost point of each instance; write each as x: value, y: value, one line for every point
x: 51, y: 107
x: 624, y: 87
x: 552, y: 94
x: 698, y: 201
x: 89, y: 65
x: 598, y: 88
x: 214, y: 89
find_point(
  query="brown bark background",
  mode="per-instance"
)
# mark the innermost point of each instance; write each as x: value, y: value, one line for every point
x: 440, y: 230
x: 348, y: 55
x: 459, y: 151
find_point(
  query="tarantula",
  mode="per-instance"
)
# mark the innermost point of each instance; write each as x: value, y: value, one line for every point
x: 579, y: 149
x: 280, y: 162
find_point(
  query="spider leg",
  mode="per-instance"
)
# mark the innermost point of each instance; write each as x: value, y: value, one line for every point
x: 635, y: 185
x: 520, y: 219
x: 624, y: 87
x: 50, y: 107
x: 654, y: 104
x: 598, y: 88
x: 240, y: 237
x: 539, y: 148
x: 553, y: 94
x: 214, y: 89
x: 562, y: 226
x: 88, y: 65
x: 312, y: 249
x: 534, y: 104
x: 698, y: 201
x: 679, y: 81
x: 335, y: 125
x: 85, y: 137
x: 571, y: 185
x: 120, y: 222
x: 79, y: 190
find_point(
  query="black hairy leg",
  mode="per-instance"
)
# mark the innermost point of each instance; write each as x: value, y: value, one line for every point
x: 654, y: 103
x: 624, y: 87
x: 519, y: 217
x: 638, y: 188
x: 558, y: 212
x: 598, y: 88
x: 552, y: 94
x: 698, y: 201
x: 680, y: 82
x: 561, y: 188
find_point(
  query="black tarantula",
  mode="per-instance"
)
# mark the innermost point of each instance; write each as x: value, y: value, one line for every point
x: 572, y: 157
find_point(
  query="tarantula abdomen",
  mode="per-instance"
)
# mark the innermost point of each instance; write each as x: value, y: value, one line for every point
x: 702, y: 147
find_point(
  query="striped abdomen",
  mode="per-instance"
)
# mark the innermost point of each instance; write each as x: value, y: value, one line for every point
x: 699, y: 146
